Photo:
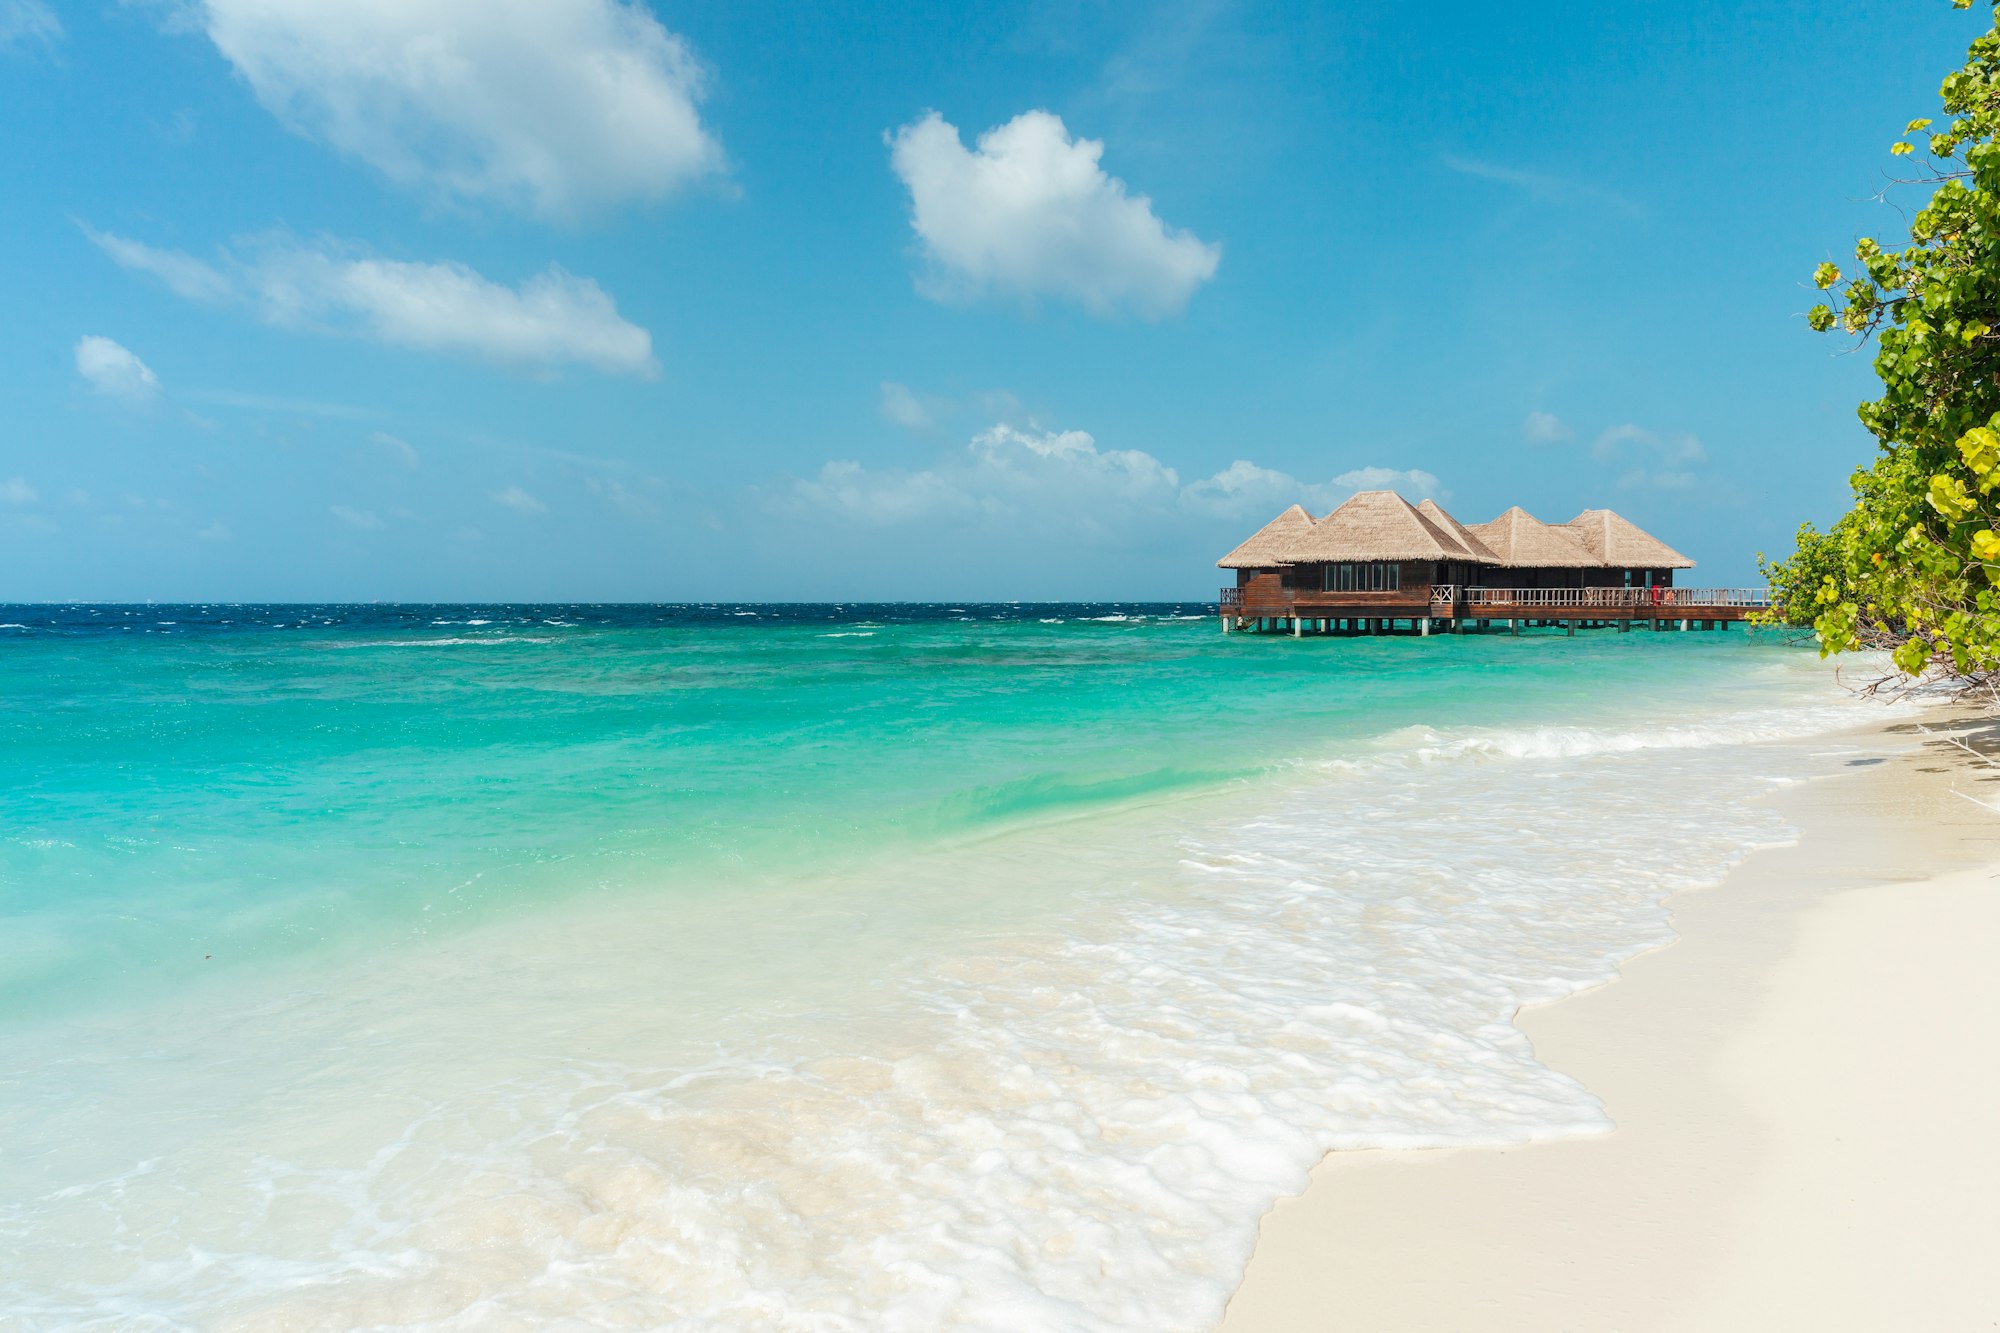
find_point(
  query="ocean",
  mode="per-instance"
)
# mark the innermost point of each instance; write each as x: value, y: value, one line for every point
x: 800, y: 967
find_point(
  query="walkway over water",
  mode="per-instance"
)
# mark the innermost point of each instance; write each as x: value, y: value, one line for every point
x: 1449, y: 608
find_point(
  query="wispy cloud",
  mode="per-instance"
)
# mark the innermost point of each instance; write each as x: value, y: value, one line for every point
x: 1650, y: 459
x: 112, y: 370
x: 553, y: 319
x: 1547, y: 428
x: 364, y: 519
x: 901, y: 405
x: 519, y: 501
x: 1623, y: 441
x: 1542, y: 187
x: 17, y: 491
x: 23, y: 20
x: 399, y: 449
x: 624, y: 499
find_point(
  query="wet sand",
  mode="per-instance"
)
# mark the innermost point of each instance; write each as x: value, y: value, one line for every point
x: 1807, y: 1103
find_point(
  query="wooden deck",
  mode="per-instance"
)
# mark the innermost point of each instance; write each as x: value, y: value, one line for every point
x: 1448, y: 608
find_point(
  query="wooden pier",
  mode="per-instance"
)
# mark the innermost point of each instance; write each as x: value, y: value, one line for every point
x: 1452, y: 609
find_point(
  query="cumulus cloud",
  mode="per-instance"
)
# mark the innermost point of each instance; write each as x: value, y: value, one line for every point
x: 115, y: 372
x: 1243, y: 489
x: 1029, y: 212
x: 1547, y: 428
x: 519, y: 501
x: 553, y: 319
x: 552, y: 107
x: 17, y: 491
x: 1061, y: 485
x: 24, y: 19
x: 1412, y: 484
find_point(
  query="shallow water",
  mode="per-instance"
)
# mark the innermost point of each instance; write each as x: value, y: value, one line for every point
x: 818, y: 968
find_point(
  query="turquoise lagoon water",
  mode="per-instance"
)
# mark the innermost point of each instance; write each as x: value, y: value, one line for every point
x: 798, y: 967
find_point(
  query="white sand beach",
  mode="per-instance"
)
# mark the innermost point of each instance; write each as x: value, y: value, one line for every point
x: 1806, y: 1103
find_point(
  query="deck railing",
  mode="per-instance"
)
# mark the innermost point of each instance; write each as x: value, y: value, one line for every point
x: 1634, y: 598
x: 1449, y: 599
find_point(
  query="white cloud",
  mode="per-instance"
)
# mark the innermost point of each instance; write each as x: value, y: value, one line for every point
x: 553, y: 319
x: 365, y: 519
x: 1543, y: 187
x: 1413, y: 484
x: 902, y: 406
x: 1653, y: 460
x: 1629, y: 440
x: 21, y: 19
x: 17, y: 491
x: 554, y: 107
x: 215, y: 532
x: 1030, y: 213
x: 183, y: 274
x: 1547, y: 428
x: 400, y: 450
x: 519, y: 501
x: 1059, y: 485
x: 1245, y: 490
x: 115, y: 372
x: 631, y: 503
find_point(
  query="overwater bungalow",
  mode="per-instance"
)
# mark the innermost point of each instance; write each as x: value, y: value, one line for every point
x: 1379, y: 564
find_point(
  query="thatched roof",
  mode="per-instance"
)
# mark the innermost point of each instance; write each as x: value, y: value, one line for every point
x: 1373, y: 525
x: 1622, y: 544
x: 1260, y: 551
x: 1519, y: 540
x: 1474, y: 551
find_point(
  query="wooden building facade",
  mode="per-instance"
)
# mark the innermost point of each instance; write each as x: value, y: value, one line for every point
x: 1379, y: 563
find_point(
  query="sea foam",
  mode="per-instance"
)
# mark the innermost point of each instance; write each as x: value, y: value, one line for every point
x: 1069, y: 1120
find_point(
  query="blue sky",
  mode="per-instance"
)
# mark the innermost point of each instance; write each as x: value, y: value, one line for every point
x: 581, y: 299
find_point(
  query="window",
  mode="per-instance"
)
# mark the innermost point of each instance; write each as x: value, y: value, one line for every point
x: 1375, y: 576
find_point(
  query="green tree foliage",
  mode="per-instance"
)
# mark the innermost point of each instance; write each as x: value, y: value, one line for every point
x: 1915, y: 565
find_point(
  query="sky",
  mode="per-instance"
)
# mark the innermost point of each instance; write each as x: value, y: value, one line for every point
x: 511, y: 300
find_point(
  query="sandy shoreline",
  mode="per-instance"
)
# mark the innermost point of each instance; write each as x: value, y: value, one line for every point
x: 1805, y: 1096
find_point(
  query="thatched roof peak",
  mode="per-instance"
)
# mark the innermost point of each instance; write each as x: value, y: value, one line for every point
x: 1519, y: 540
x: 1622, y: 544
x: 1374, y: 525
x: 1260, y: 552
x: 1474, y: 550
